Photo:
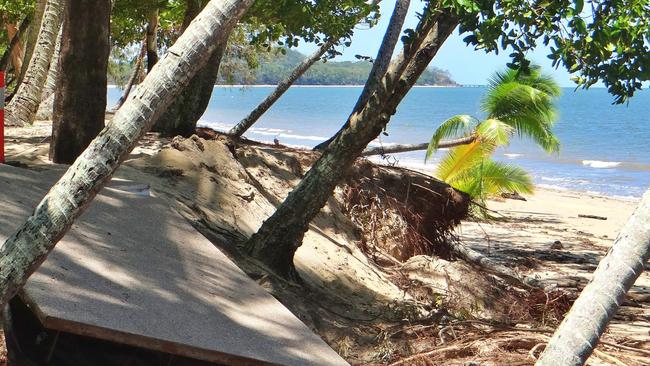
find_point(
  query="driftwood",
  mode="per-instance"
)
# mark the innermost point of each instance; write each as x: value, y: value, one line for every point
x: 593, y: 217
x: 488, y: 265
x: 381, y: 150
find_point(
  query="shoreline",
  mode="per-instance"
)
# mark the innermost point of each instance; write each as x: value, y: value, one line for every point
x: 224, y: 86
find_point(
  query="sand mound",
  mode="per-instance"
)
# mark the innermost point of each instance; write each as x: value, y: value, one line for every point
x: 230, y: 189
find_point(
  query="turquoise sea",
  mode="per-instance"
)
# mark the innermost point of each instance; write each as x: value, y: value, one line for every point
x: 605, y: 147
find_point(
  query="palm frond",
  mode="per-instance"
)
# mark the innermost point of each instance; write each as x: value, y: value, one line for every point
x: 495, y: 130
x: 530, y: 111
x: 490, y: 178
x: 456, y: 126
x: 462, y: 158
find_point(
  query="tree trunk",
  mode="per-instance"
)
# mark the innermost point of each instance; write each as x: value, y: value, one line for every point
x: 395, y: 149
x: 14, y: 45
x: 249, y: 121
x: 80, y: 98
x: 180, y: 118
x: 134, y: 75
x: 578, y: 334
x: 280, y: 236
x: 30, y: 244
x: 46, y: 108
x: 152, y: 40
x: 22, y: 108
x: 32, y: 36
x: 17, y: 51
x: 381, y: 62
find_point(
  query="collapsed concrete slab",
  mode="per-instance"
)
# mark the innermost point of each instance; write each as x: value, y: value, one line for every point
x: 133, y: 271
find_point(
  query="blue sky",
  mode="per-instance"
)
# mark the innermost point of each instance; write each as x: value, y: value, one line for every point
x: 466, y: 65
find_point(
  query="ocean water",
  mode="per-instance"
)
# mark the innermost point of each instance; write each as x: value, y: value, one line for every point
x: 605, y: 148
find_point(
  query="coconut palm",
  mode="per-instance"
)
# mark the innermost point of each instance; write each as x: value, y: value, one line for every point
x: 516, y: 103
x: 24, y: 105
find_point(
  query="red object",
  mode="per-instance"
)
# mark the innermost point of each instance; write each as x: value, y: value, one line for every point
x: 2, y: 117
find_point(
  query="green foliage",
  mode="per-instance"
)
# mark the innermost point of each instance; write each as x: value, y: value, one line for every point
x: 606, y: 41
x: 516, y: 102
x: 278, y: 66
x: 490, y: 178
x: 15, y: 10
x: 288, y: 21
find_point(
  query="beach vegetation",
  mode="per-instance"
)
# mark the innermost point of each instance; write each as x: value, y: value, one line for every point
x: 515, y: 103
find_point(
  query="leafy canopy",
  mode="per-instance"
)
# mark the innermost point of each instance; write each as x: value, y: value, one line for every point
x: 606, y: 41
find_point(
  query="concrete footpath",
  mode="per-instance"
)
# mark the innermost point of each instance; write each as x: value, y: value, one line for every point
x: 131, y: 270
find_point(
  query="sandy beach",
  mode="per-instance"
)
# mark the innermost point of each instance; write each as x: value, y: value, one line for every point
x: 543, y: 237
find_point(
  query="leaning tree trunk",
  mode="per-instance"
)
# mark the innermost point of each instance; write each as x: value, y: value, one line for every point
x: 30, y: 244
x: 577, y: 336
x: 80, y: 98
x: 16, y: 52
x: 134, y: 75
x: 32, y: 36
x: 246, y: 123
x: 395, y: 149
x: 152, y: 40
x: 46, y: 108
x: 182, y: 116
x: 280, y: 236
x: 23, y: 106
x: 14, y: 45
x: 381, y: 62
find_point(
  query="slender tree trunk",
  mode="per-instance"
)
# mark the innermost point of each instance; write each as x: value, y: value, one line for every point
x: 32, y: 36
x: 28, y: 247
x: 23, y: 106
x: 80, y: 101
x: 283, y: 86
x: 395, y: 149
x: 152, y: 40
x: 46, y: 108
x: 182, y: 116
x: 381, y: 62
x: 14, y: 44
x: 578, y: 334
x: 134, y: 75
x: 17, y: 51
x: 280, y: 236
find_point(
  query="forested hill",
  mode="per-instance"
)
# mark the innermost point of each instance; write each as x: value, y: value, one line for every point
x: 328, y: 73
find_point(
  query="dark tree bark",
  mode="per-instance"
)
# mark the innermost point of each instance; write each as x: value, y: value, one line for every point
x: 152, y: 40
x: 280, y: 236
x: 80, y: 99
x: 381, y: 62
x: 182, y: 116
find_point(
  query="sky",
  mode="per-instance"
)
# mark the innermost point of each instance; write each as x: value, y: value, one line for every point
x: 466, y: 65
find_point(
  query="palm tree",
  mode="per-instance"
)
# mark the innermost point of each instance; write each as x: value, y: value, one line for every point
x: 516, y: 102
x: 24, y: 105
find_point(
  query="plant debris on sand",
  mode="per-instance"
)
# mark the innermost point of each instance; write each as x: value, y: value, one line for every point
x: 379, y: 282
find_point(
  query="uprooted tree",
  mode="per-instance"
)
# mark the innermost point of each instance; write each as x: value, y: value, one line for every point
x: 280, y: 236
x: 23, y: 252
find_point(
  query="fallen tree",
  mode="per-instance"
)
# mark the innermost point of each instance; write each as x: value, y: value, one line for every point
x: 395, y: 149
